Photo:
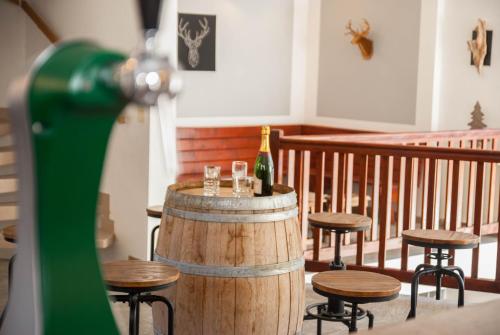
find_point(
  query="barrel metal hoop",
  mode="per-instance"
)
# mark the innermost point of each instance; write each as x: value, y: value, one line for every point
x: 234, y: 271
x: 286, y: 197
x: 232, y: 218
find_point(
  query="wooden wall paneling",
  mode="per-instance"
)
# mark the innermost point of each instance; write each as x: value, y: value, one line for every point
x: 478, y: 216
x: 197, y: 147
x: 319, y: 159
x: 362, y: 206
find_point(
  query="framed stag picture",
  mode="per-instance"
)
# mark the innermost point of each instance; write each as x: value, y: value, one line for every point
x: 196, y: 42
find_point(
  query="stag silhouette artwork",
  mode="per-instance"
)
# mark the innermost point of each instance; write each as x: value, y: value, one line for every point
x: 193, y: 44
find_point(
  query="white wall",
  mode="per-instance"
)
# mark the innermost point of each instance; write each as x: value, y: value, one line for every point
x: 20, y: 43
x: 252, y: 81
x: 383, y: 89
x: 460, y: 85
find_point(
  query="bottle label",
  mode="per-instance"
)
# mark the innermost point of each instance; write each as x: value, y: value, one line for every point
x: 257, y: 186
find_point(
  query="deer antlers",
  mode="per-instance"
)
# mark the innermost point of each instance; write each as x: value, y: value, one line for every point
x: 359, y: 38
x: 356, y: 33
x: 186, y: 34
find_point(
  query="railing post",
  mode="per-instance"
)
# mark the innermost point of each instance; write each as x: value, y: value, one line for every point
x: 275, y: 151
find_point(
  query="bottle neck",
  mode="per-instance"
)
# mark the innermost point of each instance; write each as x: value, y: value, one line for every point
x: 264, y: 144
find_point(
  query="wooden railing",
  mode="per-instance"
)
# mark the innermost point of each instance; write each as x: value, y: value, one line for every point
x: 445, y: 180
x: 37, y: 20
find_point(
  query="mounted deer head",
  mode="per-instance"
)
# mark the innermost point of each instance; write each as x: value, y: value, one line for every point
x: 359, y: 38
x: 479, y: 46
x: 193, y: 44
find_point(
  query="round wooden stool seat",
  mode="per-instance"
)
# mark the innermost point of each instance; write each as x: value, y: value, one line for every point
x: 136, y: 274
x: 10, y: 233
x: 356, y: 286
x: 443, y: 239
x: 340, y: 221
x: 155, y: 211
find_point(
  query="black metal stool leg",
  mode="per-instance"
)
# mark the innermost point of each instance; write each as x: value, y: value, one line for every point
x: 371, y: 319
x: 457, y: 269
x: 170, y: 309
x: 354, y: 318
x: 152, y: 250
x: 336, y: 306
x: 461, y: 286
x: 438, y: 285
x: 318, y: 322
x: 414, y: 290
x: 133, y: 325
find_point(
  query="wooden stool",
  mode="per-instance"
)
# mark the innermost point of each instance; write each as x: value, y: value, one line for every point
x: 154, y: 212
x: 138, y: 279
x: 355, y: 287
x: 339, y: 223
x: 438, y: 239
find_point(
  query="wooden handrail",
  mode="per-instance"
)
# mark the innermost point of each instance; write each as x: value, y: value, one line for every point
x: 37, y: 20
x: 402, y: 138
x: 362, y: 148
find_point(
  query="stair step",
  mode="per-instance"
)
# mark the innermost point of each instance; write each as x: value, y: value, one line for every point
x: 8, y: 198
x: 8, y: 171
x: 6, y: 143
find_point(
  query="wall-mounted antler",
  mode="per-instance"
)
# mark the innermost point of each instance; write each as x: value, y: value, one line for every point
x: 479, y: 46
x: 359, y: 38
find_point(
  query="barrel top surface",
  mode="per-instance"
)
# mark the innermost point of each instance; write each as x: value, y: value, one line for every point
x: 155, y: 211
x: 440, y: 237
x: 138, y: 274
x: 190, y: 195
x: 356, y: 284
x: 340, y: 221
x: 10, y: 233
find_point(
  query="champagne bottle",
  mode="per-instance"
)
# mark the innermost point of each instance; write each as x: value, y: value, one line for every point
x: 264, y: 168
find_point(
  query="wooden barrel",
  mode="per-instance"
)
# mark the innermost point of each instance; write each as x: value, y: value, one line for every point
x: 241, y: 262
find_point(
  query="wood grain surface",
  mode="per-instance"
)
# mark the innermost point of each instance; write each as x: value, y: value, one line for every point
x: 138, y: 274
x: 343, y: 221
x: 351, y: 283
x: 155, y: 211
x: 438, y: 237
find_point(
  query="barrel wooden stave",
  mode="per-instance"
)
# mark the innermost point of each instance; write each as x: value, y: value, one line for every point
x: 271, y: 304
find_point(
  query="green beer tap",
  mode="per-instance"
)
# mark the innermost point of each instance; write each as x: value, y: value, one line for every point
x: 62, y: 115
